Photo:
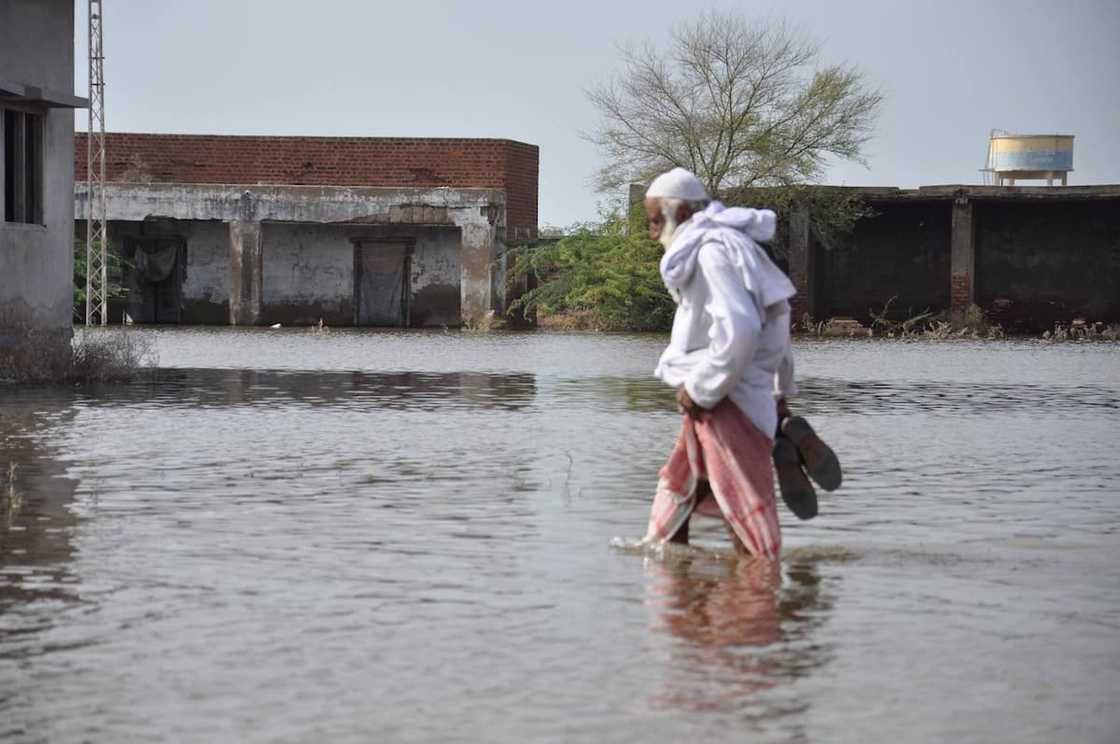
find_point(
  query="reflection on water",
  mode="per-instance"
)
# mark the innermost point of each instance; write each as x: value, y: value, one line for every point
x: 738, y: 627
x: 623, y: 393
x: 35, y: 516
x: 36, y: 521
x: 220, y: 388
x: 953, y: 397
x: 404, y: 537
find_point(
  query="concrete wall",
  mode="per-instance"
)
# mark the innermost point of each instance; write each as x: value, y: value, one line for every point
x: 1028, y: 256
x: 37, y: 43
x: 308, y: 272
x: 436, y: 272
x: 206, y: 284
x: 1039, y: 263
x: 36, y: 260
x: 902, y: 251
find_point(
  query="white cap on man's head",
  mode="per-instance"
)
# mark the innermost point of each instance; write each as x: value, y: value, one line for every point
x: 677, y: 184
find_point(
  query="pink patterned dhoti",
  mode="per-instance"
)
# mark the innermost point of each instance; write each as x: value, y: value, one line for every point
x: 728, y: 451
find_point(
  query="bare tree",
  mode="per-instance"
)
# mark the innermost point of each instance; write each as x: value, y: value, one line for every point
x: 740, y: 104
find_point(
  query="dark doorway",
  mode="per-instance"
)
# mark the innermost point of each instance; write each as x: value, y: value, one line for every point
x: 381, y: 283
x: 157, y: 272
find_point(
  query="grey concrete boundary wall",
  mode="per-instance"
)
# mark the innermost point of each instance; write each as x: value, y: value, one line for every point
x: 1028, y: 256
x: 900, y: 255
x: 1039, y: 264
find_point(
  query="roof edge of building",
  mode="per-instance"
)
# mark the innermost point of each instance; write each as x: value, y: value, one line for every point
x: 316, y: 137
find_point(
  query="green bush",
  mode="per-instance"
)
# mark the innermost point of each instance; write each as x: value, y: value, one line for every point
x: 607, y: 275
x: 608, y: 271
x: 116, y: 267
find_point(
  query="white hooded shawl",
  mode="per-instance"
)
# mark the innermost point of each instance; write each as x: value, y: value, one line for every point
x: 731, y: 330
x: 735, y: 229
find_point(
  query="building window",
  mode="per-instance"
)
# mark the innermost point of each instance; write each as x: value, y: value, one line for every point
x: 23, y: 166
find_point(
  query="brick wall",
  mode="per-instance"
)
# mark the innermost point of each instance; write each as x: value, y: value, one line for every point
x: 521, y: 173
x: 327, y: 161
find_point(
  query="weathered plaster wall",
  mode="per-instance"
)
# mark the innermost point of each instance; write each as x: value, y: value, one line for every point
x: 36, y: 261
x: 206, y: 284
x: 1040, y: 263
x: 308, y: 272
x: 436, y: 275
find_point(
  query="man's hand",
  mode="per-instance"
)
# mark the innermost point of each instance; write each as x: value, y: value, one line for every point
x: 689, y: 407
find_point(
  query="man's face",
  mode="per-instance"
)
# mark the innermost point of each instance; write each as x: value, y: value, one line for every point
x: 655, y: 217
x: 661, y: 225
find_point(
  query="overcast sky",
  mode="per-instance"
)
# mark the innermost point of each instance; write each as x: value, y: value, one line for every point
x: 951, y: 71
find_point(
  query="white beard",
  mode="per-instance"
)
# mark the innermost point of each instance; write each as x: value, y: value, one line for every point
x: 668, y: 230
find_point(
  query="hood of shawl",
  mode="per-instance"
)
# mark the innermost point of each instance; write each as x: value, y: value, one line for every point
x: 679, y: 261
x: 758, y: 224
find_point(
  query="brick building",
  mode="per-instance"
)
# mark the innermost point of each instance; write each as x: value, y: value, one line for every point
x: 356, y: 231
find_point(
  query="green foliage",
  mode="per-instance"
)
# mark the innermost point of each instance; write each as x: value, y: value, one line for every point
x: 608, y: 271
x: 115, y: 270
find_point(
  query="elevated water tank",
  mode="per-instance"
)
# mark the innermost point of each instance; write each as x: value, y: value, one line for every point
x: 1026, y: 157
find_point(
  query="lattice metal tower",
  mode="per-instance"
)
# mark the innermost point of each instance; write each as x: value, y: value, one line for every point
x: 97, y: 233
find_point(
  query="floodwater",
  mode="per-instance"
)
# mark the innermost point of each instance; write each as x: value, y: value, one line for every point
x: 353, y: 536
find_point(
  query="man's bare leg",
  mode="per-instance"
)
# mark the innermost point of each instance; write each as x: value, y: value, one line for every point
x: 680, y: 537
x: 740, y: 548
x: 703, y: 491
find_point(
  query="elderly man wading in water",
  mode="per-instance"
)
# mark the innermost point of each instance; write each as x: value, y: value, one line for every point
x: 729, y: 359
